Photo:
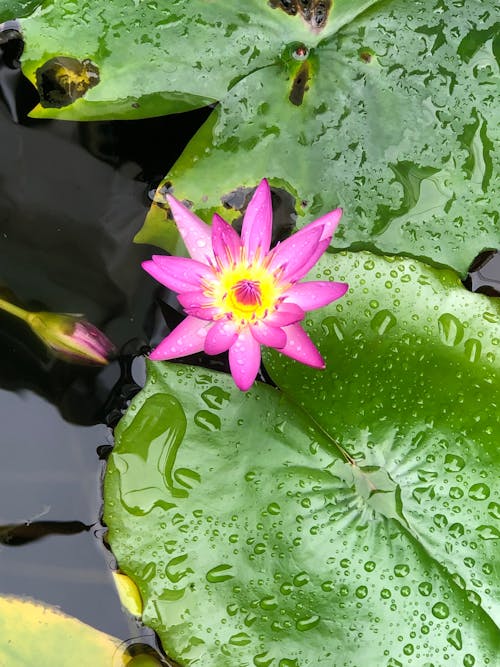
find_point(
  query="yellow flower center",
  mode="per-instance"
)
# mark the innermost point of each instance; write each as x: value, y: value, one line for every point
x: 245, y: 292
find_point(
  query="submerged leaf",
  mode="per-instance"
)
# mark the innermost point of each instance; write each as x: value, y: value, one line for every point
x: 37, y: 634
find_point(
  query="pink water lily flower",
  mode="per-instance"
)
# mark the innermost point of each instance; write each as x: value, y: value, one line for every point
x: 238, y: 294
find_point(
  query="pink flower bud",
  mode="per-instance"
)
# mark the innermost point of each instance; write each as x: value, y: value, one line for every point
x: 71, y: 337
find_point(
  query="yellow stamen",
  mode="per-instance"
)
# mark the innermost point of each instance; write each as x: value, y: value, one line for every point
x: 245, y: 292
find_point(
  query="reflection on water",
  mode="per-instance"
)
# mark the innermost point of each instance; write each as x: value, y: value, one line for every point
x: 49, y: 474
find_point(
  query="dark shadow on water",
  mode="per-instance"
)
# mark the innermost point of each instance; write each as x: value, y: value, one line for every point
x: 72, y: 198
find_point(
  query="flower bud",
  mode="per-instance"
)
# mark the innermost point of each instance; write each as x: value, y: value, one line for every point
x: 71, y: 337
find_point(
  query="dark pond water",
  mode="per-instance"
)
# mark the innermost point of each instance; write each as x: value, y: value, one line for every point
x: 72, y: 198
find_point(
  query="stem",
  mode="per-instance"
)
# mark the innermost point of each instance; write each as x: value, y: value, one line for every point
x: 14, y: 310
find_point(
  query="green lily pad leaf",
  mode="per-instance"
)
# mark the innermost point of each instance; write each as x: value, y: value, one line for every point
x: 393, y: 118
x: 348, y: 518
x: 125, y: 59
x: 38, y: 634
x: 16, y: 9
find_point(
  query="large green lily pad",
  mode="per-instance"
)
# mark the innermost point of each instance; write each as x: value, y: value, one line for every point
x: 155, y: 57
x: 397, y: 124
x: 389, y: 113
x: 350, y: 517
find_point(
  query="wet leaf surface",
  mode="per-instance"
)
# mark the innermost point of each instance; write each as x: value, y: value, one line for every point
x: 391, y: 114
x: 16, y: 9
x: 178, y: 55
x: 350, y: 517
x: 391, y: 118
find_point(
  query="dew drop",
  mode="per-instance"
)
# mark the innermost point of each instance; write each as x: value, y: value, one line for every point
x: 332, y: 326
x: 455, y: 638
x: 301, y: 579
x: 494, y: 510
x: 453, y: 463
x: 274, y: 508
x: 469, y: 660
x: 361, y: 592
x: 208, y: 421
x: 479, y: 491
x: 440, y: 610
x: 425, y: 588
x: 440, y: 520
x: 456, y: 530
x: 268, y: 603
x: 240, y: 639
x: 473, y: 597
x: 401, y: 570
x: 472, y: 349
x: 488, y: 532
x: 487, y: 568
x: 451, y: 330
x: 232, y: 609
x: 308, y: 623
x: 455, y: 492
x: 219, y: 573
x: 262, y: 660
x: 383, y: 321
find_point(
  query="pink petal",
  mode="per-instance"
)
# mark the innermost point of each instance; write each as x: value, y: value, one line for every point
x: 300, y: 347
x: 195, y: 299
x: 180, y: 274
x: 291, y: 255
x: 244, y: 359
x: 328, y: 224
x: 226, y: 243
x: 285, y: 314
x: 195, y: 233
x: 257, y: 225
x: 198, y: 304
x: 187, y: 338
x: 315, y: 294
x: 268, y: 335
x: 220, y: 337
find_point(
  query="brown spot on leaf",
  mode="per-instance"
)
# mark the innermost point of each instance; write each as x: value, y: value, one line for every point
x: 62, y: 80
x: 299, y: 85
x: 314, y: 12
x: 366, y: 54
